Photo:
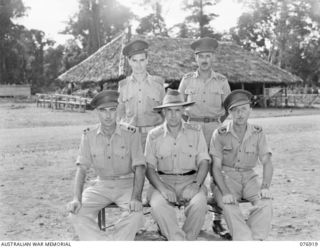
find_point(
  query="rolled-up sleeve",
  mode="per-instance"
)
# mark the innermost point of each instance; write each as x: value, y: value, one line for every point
x: 136, y: 150
x: 263, y: 146
x: 226, y: 90
x: 183, y: 86
x: 216, y: 148
x: 202, y: 149
x: 84, y: 155
x: 150, y: 153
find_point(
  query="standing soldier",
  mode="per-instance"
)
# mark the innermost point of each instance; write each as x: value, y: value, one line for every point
x: 207, y: 89
x: 236, y: 149
x: 115, y: 153
x: 177, y: 165
x: 140, y: 92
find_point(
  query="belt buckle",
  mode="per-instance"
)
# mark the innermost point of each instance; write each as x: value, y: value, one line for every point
x: 206, y: 119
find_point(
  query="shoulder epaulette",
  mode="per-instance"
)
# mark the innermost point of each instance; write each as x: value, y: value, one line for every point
x: 222, y: 130
x: 157, y: 79
x: 128, y: 127
x: 257, y: 129
x: 86, y: 130
x: 192, y: 126
x: 220, y: 76
x: 188, y: 75
x: 156, y: 132
x: 123, y: 82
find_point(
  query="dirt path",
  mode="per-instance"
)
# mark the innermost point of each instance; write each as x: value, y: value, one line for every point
x: 37, y: 170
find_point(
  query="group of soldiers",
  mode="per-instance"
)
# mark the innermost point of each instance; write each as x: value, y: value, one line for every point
x: 174, y: 139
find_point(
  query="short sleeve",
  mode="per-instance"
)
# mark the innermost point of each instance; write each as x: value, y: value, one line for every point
x: 137, y: 156
x: 226, y: 90
x: 84, y: 155
x: 216, y: 148
x: 183, y: 86
x: 202, y: 149
x: 150, y: 153
x: 263, y: 146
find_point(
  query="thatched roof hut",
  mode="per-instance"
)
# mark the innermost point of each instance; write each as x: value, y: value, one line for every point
x: 171, y: 58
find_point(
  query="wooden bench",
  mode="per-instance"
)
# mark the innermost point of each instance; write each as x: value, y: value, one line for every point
x: 65, y: 102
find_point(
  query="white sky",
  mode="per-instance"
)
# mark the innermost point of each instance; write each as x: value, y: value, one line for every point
x: 50, y: 16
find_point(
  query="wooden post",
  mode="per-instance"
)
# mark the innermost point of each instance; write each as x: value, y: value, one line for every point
x: 286, y: 96
x: 264, y: 96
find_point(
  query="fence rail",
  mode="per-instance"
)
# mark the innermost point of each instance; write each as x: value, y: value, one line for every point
x: 65, y: 102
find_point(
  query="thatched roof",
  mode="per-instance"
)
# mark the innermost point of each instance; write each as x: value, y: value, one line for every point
x: 171, y: 58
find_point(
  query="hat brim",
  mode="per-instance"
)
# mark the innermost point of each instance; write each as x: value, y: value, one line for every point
x: 183, y: 104
x: 106, y: 105
x: 236, y: 104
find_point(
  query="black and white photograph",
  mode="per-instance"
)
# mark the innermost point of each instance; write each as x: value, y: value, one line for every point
x: 159, y: 120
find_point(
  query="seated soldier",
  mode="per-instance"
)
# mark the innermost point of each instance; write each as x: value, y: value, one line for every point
x: 115, y: 153
x: 177, y: 165
x: 235, y: 149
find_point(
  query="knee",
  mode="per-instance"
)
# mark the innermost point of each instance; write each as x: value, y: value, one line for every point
x: 199, y: 201
x: 157, y: 200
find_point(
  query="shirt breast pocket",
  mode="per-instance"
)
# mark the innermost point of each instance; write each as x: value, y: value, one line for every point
x: 121, y: 160
x: 193, y: 94
x: 188, y: 158
x: 98, y: 159
x: 129, y: 104
x: 153, y: 99
x: 164, y: 157
x: 215, y: 97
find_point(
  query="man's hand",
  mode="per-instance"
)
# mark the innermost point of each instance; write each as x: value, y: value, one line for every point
x: 265, y: 194
x: 169, y: 193
x: 190, y: 191
x: 74, y: 206
x: 229, y: 199
x: 135, y: 205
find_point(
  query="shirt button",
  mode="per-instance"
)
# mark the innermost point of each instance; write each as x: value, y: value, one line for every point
x: 175, y: 155
x: 139, y: 101
x: 190, y: 155
x: 139, y: 89
x: 238, y: 160
x: 175, y: 144
x: 204, y: 101
x: 109, y: 157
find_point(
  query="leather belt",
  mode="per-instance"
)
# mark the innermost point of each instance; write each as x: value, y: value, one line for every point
x: 178, y: 174
x: 236, y: 168
x: 204, y: 119
x: 145, y: 129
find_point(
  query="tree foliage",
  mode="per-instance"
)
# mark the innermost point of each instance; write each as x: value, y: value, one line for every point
x: 97, y: 22
x: 284, y: 32
x: 153, y: 23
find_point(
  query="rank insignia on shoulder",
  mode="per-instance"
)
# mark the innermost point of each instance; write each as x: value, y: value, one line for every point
x: 86, y: 130
x: 193, y: 126
x: 222, y: 130
x: 128, y: 127
x: 220, y: 77
x: 257, y: 129
x: 189, y: 75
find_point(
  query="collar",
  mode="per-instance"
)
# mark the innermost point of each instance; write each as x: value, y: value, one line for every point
x: 248, y: 132
x: 166, y: 130
x: 212, y: 74
x: 117, y: 130
x: 134, y: 80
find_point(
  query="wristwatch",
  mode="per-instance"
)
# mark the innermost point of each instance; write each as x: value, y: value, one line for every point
x: 196, y: 182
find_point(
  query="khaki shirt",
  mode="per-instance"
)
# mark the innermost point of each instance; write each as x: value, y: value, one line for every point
x: 208, y: 95
x: 116, y: 156
x: 183, y: 154
x: 137, y: 100
x: 226, y: 146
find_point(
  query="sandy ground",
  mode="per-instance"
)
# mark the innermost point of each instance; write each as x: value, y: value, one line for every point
x: 38, y: 148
